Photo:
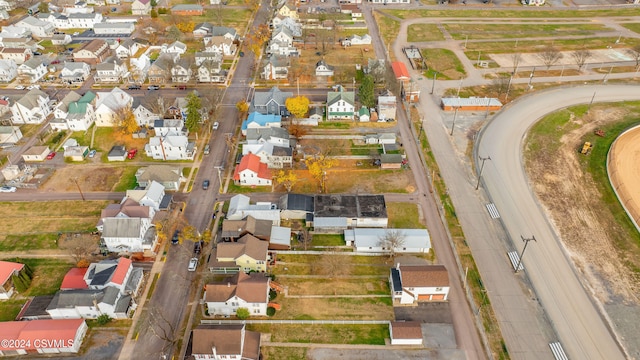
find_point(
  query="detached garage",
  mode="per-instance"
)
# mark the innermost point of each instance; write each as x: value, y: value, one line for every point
x: 471, y: 104
x: 36, y: 153
x: 405, y: 333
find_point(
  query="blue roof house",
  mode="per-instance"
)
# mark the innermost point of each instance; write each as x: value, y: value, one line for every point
x: 257, y: 120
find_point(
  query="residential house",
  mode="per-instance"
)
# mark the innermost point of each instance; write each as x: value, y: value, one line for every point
x: 208, y: 29
x: 114, y: 28
x: 340, y: 105
x: 75, y: 72
x: 296, y: 206
x: 76, y: 153
x: 391, y: 2
x: 372, y: 240
x: 281, y: 43
x: 82, y: 20
x: 38, y: 28
x: 9, y: 135
x: 176, y: 48
x: 336, y: 213
x: 391, y: 161
x: 160, y: 70
x: 240, y: 207
x: 289, y: 9
x: 14, y: 32
x: 36, y: 153
x: 273, y: 135
x: 210, y: 71
x: 81, y: 114
x: 169, y: 176
x: 201, y: 57
x: 316, y: 115
x: 248, y: 254
x: 7, y: 271
x: 144, y: 111
x: 152, y: 195
x: 141, y: 7
x: 7, y: 5
x: 222, y: 342
x: 252, y: 172
x: 171, y: 147
x: 250, y: 291
x: 387, y: 106
x: 276, y: 157
x: 232, y: 230
x: 187, y: 10
x: 363, y: 114
x: 128, y: 48
x: 117, y: 153
x: 19, y: 55
x: 139, y: 67
x: 8, y: 70
x: 280, y: 238
x: 32, y: 108
x: 127, y: 227
x: 351, y: 9
x: 181, y: 71
x: 45, y: 336
x: 93, y: 52
x: 60, y: 39
x: 164, y: 127
x: 357, y: 40
x: 256, y: 120
x: 270, y: 102
x: 220, y: 45
x: 118, y: 273
x: 323, y: 69
x: 31, y: 71
x: 89, y: 304
x: 409, y: 91
x: 418, y: 283
x: 111, y: 70
x: 108, y: 104
x: 275, y: 68
x: 405, y: 333
x: 74, y: 279
x: 61, y: 110
x: 290, y: 23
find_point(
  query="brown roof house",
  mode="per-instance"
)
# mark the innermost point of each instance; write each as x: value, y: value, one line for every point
x: 249, y: 254
x: 405, y: 333
x: 413, y: 283
x: 235, y: 229
x: 225, y: 342
x: 93, y: 52
x: 250, y: 291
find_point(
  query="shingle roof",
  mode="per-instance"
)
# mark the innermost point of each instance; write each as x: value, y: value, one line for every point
x: 227, y: 340
x: 252, y: 162
x: 405, y: 330
x: 247, y: 245
x: 251, y: 288
x: 261, y: 98
x: 424, y: 275
x: 335, y: 96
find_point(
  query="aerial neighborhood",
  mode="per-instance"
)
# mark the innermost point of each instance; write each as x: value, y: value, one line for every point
x: 352, y: 179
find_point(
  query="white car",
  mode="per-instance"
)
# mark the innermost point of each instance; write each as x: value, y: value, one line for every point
x: 215, y: 125
x: 19, y: 87
x: 193, y: 264
x: 8, y: 189
x: 31, y: 87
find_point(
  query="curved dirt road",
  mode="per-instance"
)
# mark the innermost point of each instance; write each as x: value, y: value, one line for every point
x: 578, y: 323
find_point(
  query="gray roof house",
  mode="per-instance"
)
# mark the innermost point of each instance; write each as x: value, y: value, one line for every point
x: 170, y: 176
x: 336, y: 213
x: 370, y: 240
x: 296, y: 206
x: 270, y: 102
x: 89, y: 304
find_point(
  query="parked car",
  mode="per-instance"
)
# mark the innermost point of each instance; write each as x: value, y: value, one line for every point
x: 176, y: 237
x: 193, y: 264
x: 205, y: 185
x: 153, y: 87
x: 134, y: 87
x: 92, y: 153
x: 8, y: 189
x: 216, y: 125
x: 132, y: 153
x: 51, y: 155
x: 34, y: 86
x: 37, y: 53
x: 182, y: 87
x: 19, y: 87
x: 207, y: 148
x: 55, y: 62
x: 197, y: 248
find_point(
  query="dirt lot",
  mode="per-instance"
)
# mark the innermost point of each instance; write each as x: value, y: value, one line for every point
x: 90, y: 178
x: 591, y: 234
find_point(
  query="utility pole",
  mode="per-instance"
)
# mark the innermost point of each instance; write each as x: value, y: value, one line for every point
x: 526, y: 242
x: 531, y: 77
x: 454, y: 120
x: 433, y: 85
x: 591, y: 102
x: 483, y: 159
x: 75, y: 180
x: 506, y: 97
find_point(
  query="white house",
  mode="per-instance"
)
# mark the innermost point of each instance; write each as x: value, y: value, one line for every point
x: 141, y: 7
x: 176, y: 48
x: 256, y: 120
x: 108, y: 103
x: 17, y: 54
x: 240, y: 207
x: 7, y: 271
x: 167, y: 175
x: 151, y: 196
x: 139, y: 68
x: 340, y: 105
x: 89, y: 304
x: 282, y: 48
x: 249, y: 291
x: 38, y: 28
x: 118, y: 273
x: 181, y: 71
x: 418, y: 283
x: 127, y: 227
x: 275, y: 68
x: 8, y: 70
x: 114, y: 28
x: 171, y: 147
x: 143, y: 111
x: 210, y: 71
x: 387, y: 107
x: 274, y: 135
x: 75, y: 72
x: 32, y: 70
x: 164, y: 127
x: 61, y: 39
x: 201, y: 57
x: 32, y: 108
x: 372, y: 240
x: 276, y: 157
x: 252, y: 172
x: 225, y: 342
x: 111, y: 70
x: 220, y: 45
x: 357, y: 40
x: 46, y: 336
x: 127, y: 48
x: 323, y: 69
x: 81, y: 114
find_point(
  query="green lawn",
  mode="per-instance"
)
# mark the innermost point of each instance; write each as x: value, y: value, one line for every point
x: 327, y: 240
x: 507, y: 47
x: 635, y: 27
x: 444, y: 62
x: 460, y: 31
x: 127, y: 179
x: 283, y: 353
x: 47, y: 275
x: 404, y: 216
x: 522, y: 12
x: 424, y: 32
x: 9, y: 309
x: 325, y: 334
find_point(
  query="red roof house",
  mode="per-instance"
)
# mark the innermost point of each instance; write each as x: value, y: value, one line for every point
x: 74, y: 279
x: 252, y: 172
x: 400, y: 71
x: 8, y: 269
x: 42, y: 336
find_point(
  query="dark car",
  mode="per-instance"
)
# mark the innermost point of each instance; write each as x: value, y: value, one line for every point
x: 176, y: 237
x: 205, y: 185
x: 182, y: 87
x: 197, y: 248
x: 134, y: 87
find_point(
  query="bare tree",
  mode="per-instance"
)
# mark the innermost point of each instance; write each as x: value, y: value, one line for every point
x: 326, y: 39
x: 549, y: 56
x: 635, y: 53
x: 515, y: 60
x: 392, y: 240
x: 79, y: 246
x: 580, y: 57
x: 499, y: 85
x: 157, y: 104
x: 332, y: 265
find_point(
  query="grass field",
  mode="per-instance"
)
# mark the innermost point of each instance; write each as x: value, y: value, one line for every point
x: 509, y: 47
x: 444, y: 62
x: 282, y: 353
x: 404, y: 216
x: 9, y: 309
x: 325, y: 334
x: 389, y: 29
x: 327, y: 240
x: 346, y: 308
x: 635, y: 27
x: 350, y: 265
x: 522, y: 12
x: 298, y: 286
x: 47, y: 275
x: 46, y: 220
x: 460, y: 31
x: 424, y: 32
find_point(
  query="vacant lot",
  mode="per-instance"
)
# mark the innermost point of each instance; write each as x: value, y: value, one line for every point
x: 299, y: 286
x: 424, y: 32
x: 89, y: 177
x: 325, y: 334
x: 404, y: 216
x: 542, y: 14
x: 460, y: 31
x: 443, y: 62
x: 46, y: 220
x: 332, y: 265
x: 282, y: 353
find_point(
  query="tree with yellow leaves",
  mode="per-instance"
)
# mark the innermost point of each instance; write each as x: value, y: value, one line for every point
x: 125, y: 120
x: 243, y: 107
x: 318, y: 166
x: 297, y: 106
x: 186, y: 27
x: 287, y: 178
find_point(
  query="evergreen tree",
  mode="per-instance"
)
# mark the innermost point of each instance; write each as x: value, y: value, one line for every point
x: 365, y: 92
x: 193, y: 111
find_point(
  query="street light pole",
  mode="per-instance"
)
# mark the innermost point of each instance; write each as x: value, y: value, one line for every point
x: 531, y: 76
x: 526, y: 242
x: 483, y: 159
x: 591, y: 102
x: 454, y: 121
x: 433, y: 85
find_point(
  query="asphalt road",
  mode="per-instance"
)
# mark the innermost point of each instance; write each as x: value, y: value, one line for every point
x: 578, y: 323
